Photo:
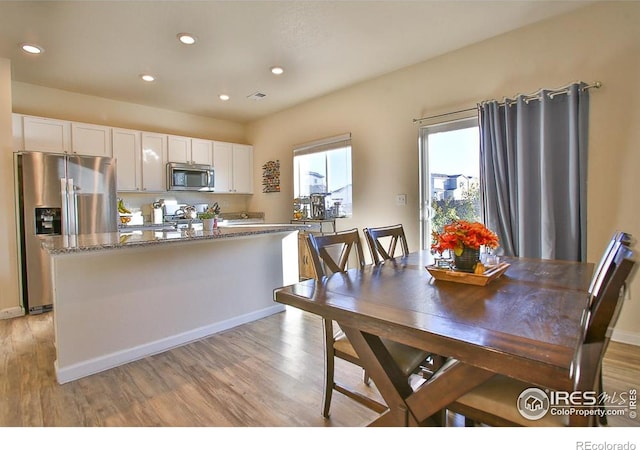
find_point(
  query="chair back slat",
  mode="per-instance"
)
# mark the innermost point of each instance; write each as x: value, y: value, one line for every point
x: 375, y: 237
x: 324, y: 247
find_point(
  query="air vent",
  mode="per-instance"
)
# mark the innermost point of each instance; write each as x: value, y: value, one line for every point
x: 256, y: 96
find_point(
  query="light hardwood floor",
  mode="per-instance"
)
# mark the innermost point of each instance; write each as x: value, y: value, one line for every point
x: 268, y: 373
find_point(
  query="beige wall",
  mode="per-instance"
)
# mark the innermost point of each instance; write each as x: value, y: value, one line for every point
x: 9, y: 294
x: 599, y: 42
x: 46, y: 102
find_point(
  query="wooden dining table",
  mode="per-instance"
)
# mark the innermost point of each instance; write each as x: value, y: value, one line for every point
x: 525, y: 324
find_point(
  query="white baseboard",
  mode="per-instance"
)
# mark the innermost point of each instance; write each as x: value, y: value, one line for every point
x: 10, y: 313
x: 110, y: 361
x: 626, y: 337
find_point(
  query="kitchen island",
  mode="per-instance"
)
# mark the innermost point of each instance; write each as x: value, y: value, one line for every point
x: 119, y: 297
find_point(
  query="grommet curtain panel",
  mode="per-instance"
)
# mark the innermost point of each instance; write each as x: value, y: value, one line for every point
x: 533, y: 164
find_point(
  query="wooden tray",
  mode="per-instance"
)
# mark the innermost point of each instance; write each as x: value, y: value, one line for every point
x: 468, y: 278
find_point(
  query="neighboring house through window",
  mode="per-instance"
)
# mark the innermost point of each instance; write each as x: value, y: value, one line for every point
x: 324, y: 167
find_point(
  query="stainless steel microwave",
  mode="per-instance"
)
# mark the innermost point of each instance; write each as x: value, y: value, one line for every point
x: 190, y: 177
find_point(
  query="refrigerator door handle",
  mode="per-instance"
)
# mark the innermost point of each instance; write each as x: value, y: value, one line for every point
x: 73, y: 207
x: 69, y: 207
x: 64, y: 207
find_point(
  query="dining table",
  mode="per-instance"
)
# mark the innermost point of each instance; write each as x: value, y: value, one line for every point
x: 525, y: 324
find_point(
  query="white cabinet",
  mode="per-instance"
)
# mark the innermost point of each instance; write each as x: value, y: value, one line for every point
x: 202, y: 151
x: 189, y: 150
x: 141, y: 156
x: 89, y: 139
x: 242, y: 169
x: 46, y: 135
x: 16, y: 128
x: 233, y: 164
x: 223, y: 166
x: 154, y: 161
x: 127, y: 152
x: 179, y: 149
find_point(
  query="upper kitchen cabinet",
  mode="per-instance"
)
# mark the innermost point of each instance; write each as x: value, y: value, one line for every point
x: 89, y: 139
x: 154, y: 162
x: 242, y: 169
x: 233, y: 164
x: 41, y: 134
x: 179, y: 149
x: 16, y: 128
x: 127, y: 152
x: 202, y: 151
x: 189, y: 150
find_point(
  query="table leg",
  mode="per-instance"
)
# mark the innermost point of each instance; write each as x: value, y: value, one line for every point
x: 407, y: 407
x: 388, y: 378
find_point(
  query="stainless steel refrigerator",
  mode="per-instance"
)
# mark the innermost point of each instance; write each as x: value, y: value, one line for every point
x: 59, y: 195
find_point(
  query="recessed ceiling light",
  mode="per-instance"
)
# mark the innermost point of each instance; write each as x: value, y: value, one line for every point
x: 31, y: 48
x: 224, y: 97
x: 277, y: 70
x: 147, y: 77
x: 186, y: 38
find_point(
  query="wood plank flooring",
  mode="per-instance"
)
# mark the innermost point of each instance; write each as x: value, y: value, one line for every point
x: 268, y: 373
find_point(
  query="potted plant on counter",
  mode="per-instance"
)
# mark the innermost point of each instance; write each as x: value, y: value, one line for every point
x: 210, y: 217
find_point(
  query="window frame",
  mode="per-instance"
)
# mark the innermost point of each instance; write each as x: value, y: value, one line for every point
x: 325, y: 146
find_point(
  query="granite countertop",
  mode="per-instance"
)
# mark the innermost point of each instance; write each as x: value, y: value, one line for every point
x: 57, y: 245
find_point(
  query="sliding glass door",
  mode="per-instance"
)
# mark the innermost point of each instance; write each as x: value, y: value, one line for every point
x: 449, y: 175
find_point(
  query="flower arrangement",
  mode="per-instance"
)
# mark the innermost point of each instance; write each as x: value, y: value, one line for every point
x: 211, y: 212
x: 460, y: 234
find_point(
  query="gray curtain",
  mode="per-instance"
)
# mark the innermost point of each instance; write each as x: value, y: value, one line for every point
x: 533, y: 166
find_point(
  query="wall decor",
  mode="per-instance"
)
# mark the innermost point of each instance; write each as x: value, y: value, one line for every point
x: 271, y: 176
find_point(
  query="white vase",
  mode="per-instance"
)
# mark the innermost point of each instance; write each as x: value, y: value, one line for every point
x: 207, y: 224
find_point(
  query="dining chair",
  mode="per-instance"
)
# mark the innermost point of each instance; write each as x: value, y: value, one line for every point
x: 495, y: 401
x: 386, y: 243
x: 331, y: 253
x: 598, y: 280
x: 375, y: 240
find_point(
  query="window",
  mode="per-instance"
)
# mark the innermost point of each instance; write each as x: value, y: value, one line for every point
x: 322, y: 178
x: 449, y: 175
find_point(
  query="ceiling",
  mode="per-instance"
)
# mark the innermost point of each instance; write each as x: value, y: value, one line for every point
x: 101, y: 48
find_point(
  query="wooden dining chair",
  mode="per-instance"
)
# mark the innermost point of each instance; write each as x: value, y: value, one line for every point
x: 598, y: 280
x: 495, y: 401
x: 331, y: 253
x: 598, y: 274
x: 386, y: 243
x: 393, y: 235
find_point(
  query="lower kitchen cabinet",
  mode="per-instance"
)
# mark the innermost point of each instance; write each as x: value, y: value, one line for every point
x: 304, y: 257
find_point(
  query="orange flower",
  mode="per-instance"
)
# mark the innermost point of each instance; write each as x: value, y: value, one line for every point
x: 460, y: 234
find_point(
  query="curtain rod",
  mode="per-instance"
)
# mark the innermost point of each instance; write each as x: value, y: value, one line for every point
x: 528, y: 97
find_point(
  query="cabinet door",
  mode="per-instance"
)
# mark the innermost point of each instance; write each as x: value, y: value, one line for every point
x: 305, y: 263
x: 201, y: 151
x: 242, y: 169
x: 154, y: 161
x: 46, y: 135
x: 127, y: 153
x: 179, y: 149
x: 222, y: 165
x: 89, y: 139
x: 18, y: 137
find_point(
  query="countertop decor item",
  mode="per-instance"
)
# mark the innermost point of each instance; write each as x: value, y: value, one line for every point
x: 464, y: 239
